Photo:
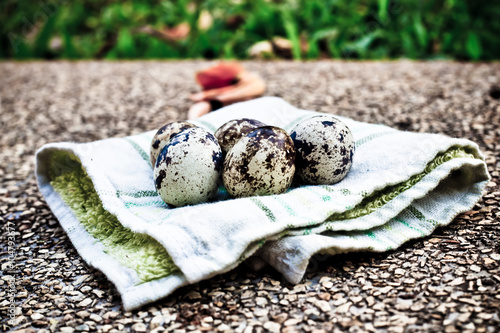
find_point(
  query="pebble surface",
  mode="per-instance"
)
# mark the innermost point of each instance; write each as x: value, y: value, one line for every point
x: 447, y: 282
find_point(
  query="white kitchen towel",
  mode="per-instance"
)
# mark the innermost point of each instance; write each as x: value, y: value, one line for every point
x: 401, y: 186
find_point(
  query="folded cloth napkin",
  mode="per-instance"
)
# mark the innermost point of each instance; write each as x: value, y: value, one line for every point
x: 401, y: 186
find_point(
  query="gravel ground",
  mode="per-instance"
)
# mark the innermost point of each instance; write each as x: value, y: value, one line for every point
x: 447, y: 282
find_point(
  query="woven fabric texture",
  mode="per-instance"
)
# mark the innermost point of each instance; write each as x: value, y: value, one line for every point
x: 401, y: 186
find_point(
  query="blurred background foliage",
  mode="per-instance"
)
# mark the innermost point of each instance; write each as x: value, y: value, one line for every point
x: 299, y: 29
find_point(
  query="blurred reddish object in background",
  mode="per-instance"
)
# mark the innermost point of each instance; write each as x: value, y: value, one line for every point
x: 175, y: 34
x: 223, y: 84
x: 221, y: 75
x: 179, y: 32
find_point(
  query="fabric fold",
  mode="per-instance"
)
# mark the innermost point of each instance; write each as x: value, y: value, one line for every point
x: 401, y: 186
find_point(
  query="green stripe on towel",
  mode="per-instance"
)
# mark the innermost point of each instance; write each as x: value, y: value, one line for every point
x: 139, y: 252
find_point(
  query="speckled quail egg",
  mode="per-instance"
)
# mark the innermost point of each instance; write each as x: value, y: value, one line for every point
x: 233, y: 130
x: 164, y: 135
x: 188, y: 168
x: 325, y: 148
x: 260, y: 163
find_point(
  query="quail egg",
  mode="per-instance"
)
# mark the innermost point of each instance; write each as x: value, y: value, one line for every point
x: 164, y: 135
x: 325, y: 148
x: 229, y: 133
x: 188, y: 168
x: 260, y: 163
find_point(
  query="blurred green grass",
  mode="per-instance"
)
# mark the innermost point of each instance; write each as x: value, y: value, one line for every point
x: 316, y: 29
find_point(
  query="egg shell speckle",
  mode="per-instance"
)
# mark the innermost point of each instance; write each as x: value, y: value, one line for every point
x: 164, y: 135
x: 230, y: 132
x: 188, y: 168
x: 325, y: 148
x: 260, y: 163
